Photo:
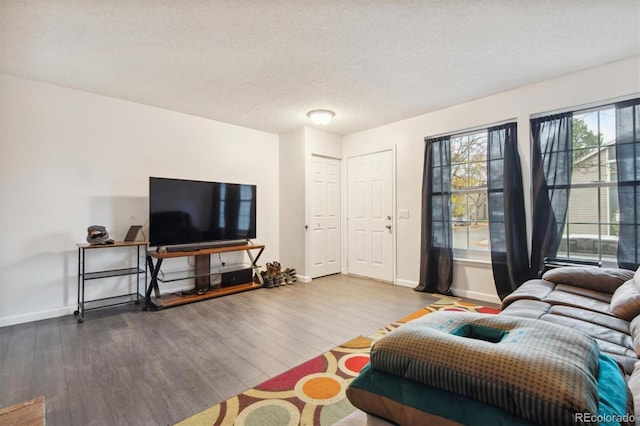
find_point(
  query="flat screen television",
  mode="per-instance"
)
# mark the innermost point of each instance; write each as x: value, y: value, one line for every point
x: 190, y: 213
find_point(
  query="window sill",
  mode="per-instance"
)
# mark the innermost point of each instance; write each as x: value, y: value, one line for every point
x: 472, y: 262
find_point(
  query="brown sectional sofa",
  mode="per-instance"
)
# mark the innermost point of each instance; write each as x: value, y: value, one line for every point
x: 603, y: 303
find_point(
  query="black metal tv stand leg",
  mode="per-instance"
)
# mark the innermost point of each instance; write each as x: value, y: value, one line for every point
x: 153, y: 285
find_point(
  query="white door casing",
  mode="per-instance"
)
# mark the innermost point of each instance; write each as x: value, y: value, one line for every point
x: 324, y: 222
x: 370, y: 215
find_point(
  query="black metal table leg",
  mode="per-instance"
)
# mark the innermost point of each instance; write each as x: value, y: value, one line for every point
x: 153, y: 284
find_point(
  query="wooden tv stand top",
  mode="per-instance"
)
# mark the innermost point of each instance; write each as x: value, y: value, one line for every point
x: 204, y: 251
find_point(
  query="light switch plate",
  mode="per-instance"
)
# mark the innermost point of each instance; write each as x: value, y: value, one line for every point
x: 403, y: 214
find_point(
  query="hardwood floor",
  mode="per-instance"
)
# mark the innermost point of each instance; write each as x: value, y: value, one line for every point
x: 125, y: 366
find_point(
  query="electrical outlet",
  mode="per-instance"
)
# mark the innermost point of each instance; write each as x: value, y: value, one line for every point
x: 403, y: 214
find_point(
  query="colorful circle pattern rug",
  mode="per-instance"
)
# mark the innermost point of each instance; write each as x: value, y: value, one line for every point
x: 312, y: 393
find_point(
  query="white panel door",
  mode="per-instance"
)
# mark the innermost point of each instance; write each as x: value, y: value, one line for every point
x: 369, y: 215
x: 324, y: 226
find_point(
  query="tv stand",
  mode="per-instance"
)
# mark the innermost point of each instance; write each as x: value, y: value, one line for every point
x: 202, y: 274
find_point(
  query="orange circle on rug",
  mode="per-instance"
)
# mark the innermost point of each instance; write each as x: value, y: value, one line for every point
x: 321, y: 388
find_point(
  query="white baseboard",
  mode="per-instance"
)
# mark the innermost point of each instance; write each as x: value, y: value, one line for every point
x: 303, y: 278
x: 406, y: 283
x: 469, y: 294
x: 36, y: 316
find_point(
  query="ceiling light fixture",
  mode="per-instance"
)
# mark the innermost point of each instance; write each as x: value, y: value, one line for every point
x: 321, y: 116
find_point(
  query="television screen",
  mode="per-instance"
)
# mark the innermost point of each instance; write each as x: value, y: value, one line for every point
x: 197, y: 212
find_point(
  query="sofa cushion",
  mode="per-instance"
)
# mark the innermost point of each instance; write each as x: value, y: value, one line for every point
x: 598, y: 318
x: 592, y: 294
x: 625, y: 302
x: 625, y: 357
x: 533, y: 290
x: 605, y: 280
x: 617, y: 344
x: 594, y: 330
x: 526, y: 309
x: 559, y: 297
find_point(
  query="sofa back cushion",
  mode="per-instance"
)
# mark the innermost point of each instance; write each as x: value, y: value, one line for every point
x: 625, y: 302
x: 606, y: 280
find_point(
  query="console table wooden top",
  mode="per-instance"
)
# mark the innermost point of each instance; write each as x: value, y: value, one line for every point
x: 114, y: 244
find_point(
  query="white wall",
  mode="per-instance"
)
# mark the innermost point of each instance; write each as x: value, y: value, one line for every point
x: 589, y: 87
x: 70, y: 159
x: 292, y: 201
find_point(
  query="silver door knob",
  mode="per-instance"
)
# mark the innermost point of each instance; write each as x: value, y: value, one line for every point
x: 388, y: 227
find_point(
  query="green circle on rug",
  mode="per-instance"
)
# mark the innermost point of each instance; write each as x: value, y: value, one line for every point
x: 269, y: 412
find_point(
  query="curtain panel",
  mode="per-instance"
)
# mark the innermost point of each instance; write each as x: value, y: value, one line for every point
x: 436, y: 251
x: 551, y: 168
x: 628, y: 170
x: 507, y: 221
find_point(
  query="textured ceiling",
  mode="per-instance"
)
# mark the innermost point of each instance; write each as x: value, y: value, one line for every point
x: 264, y: 64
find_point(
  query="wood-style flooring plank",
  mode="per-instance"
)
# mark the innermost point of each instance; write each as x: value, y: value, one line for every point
x: 17, y: 368
x: 124, y: 365
x: 5, y: 336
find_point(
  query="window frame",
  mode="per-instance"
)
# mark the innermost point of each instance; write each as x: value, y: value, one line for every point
x: 597, y: 185
x: 470, y: 254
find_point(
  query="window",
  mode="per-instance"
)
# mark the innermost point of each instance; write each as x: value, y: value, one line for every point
x: 469, y: 206
x: 591, y: 225
x: 222, y: 205
x: 246, y: 201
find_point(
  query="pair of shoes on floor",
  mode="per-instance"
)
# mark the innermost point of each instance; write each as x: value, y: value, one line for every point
x: 290, y: 276
x: 271, y: 281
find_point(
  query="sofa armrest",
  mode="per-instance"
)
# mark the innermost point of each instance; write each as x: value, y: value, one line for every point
x: 605, y: 280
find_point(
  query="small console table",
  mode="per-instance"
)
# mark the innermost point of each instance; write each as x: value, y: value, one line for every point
x: 83, y: 276
x: 202, y: 273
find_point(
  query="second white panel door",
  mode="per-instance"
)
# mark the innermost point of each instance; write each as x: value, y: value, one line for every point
x: 324, y: 227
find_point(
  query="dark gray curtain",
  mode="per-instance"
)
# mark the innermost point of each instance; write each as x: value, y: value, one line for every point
x: 628, y: 166
x: 551, y: 168
x: 436, y: 252
x: 507, y: 222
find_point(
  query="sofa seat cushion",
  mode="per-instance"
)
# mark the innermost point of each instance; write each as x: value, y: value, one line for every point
x: 594, y: 330
x: 618, y: 345
x: 526, y: 309
x: 563, y: 297
x: 598, y: 318
x: 625, y: 358
x: 609, y: 332
x: 560, y: 294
